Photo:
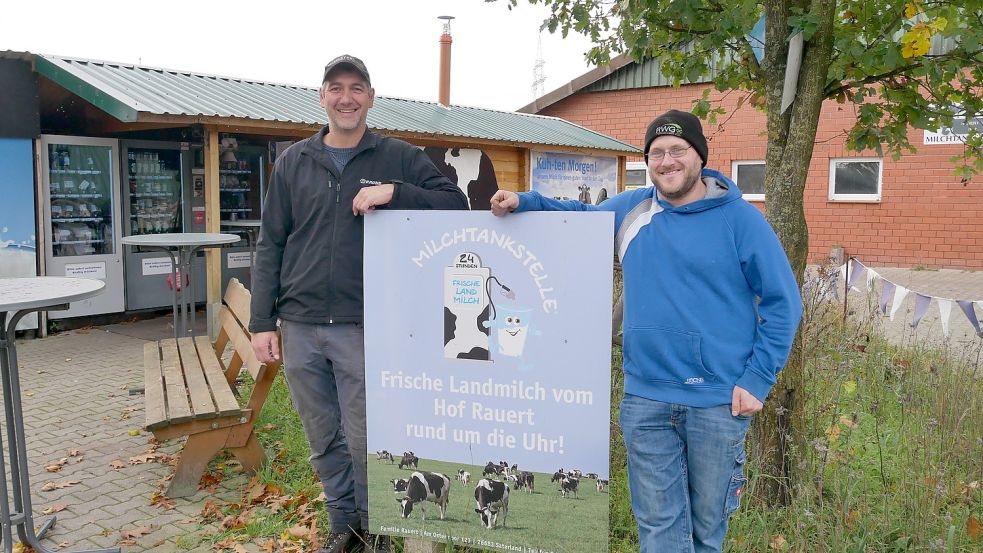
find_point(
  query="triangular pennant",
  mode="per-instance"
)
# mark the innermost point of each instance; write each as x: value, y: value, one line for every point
x: 921, y: 306
x: 900, y: 292
x: 885, y: 294
x: 856, y: 270
x: 945, y: 308
x: 842, y: 271
x: 871, y: 277
x: 967, y: 307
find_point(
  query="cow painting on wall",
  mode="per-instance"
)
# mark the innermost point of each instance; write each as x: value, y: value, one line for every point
x: 471, y: 170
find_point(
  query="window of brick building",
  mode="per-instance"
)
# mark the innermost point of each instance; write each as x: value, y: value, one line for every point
x: 750, y: 178
x: 855, y: 179
x: 636, y: 175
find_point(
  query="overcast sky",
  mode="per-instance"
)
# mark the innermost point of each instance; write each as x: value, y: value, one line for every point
x: 493, y: 53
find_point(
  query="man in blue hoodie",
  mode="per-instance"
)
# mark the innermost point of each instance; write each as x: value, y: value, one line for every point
x: 711, y: 309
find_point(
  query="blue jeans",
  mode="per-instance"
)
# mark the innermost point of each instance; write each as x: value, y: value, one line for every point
x: 324, y: 366
x: 685, y: 472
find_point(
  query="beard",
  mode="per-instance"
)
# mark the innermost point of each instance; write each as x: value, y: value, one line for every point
x: 689, y: 182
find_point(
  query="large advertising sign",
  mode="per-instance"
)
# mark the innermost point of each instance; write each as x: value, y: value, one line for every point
x: 590, y: 179
x: 18, y: 242
x: 488, y: 366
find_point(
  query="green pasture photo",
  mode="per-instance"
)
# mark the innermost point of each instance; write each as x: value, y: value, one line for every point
x: 539, y: 522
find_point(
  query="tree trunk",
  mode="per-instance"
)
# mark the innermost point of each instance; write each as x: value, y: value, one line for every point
x: 780, y: 427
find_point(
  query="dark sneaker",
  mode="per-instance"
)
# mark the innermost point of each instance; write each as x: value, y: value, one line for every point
x: 375, y: 543
x: 335, y: 542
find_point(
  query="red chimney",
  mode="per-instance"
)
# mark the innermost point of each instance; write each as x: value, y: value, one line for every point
x: 444, y: 93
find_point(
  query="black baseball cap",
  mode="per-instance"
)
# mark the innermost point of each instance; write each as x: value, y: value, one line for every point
x: 349, y: 62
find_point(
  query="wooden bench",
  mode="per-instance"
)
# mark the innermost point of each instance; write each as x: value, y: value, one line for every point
x: 190, y: 391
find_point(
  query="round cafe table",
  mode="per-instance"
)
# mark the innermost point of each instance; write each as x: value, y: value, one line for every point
x: 186, y: 244
x: 19, y: 297
x: 251, y: 228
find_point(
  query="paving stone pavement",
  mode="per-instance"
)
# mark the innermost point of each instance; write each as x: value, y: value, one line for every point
x: 75, y: 392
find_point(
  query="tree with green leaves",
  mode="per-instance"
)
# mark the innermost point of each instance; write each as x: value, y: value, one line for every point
x: 875, y: 54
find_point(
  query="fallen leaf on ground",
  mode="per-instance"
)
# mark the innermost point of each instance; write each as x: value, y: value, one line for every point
x: 162, y: 500
x: 117, y: 464
x: 973, y: 527
x: 143, y: 458
x: 777, y: 542
x: 133, y: 432
x: 51, y: 486
x: 137, y: 532
x: 54, y: 509
x: 55, y: 466
x: 75, y: 452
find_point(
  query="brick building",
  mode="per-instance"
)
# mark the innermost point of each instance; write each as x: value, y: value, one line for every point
x: 908, y: 212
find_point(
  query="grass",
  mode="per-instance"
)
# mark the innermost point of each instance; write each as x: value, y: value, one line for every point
x: 542, y: 519
x: 893, y: 461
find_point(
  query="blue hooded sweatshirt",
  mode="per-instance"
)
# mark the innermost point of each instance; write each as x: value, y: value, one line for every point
x: 710, y: 299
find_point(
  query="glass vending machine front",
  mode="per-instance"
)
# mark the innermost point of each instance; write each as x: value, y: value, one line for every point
x: 154, y: 180
x: 81, y: 214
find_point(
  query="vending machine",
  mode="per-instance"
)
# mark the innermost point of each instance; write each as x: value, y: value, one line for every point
x: 160, y: 196
x: 242, y: 188
x: 81, y: 215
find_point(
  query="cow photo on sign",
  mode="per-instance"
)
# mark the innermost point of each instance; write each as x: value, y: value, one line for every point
x: 484, y: 341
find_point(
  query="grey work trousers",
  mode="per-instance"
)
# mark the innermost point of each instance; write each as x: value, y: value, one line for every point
x: 325, y: 370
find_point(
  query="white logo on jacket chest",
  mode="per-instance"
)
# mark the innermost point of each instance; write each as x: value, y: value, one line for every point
x: 367, y: 181
x: 694, y: 380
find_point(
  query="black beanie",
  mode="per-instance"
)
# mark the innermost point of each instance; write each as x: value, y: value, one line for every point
x: 678, y: 123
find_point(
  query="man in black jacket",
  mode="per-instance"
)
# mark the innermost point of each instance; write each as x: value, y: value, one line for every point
x: 308, y: 274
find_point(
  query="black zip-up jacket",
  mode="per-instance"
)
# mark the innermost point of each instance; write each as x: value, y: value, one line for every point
x: 309, y: 254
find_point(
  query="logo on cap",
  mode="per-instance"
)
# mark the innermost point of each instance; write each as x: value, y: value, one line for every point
x: 669, y: 128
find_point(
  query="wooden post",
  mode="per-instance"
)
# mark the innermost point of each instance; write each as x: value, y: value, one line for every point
x: 622, y: 174
x: 213, y: 256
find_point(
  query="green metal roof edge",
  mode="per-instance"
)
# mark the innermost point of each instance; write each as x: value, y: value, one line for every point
x: 90, y: 93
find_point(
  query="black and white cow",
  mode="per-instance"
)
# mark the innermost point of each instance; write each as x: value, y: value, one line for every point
x: 601, y: 484
x: 463, y: 476
x: 569, y: 485
x: 558, y: 475
x: 399, y: 486
x: 492, y: 499
x: 384, y: 456
x: 591, y: 476
x: 524, y: 480
x: 423, y: 487
x: 491, y: 469
x: 408, y: 459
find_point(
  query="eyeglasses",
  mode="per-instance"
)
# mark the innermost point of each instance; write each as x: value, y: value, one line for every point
x: 675, y: 153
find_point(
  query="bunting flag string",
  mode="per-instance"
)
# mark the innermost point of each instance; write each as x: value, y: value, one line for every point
x: 894, y: 294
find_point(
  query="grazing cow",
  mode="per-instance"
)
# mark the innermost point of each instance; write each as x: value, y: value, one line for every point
x: 384, y: 456
x: 601, y: 484
x: 399, y: 486
x: 464, y: 476
x: 423, y: 487
x: 491, y: 469
x: 575, y: 473
x: 524, y: 480
x: 492, y: 498
x: 558, y: 475
x: 408, y: 459
x: 591, y: 476
x: 568, y: 485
